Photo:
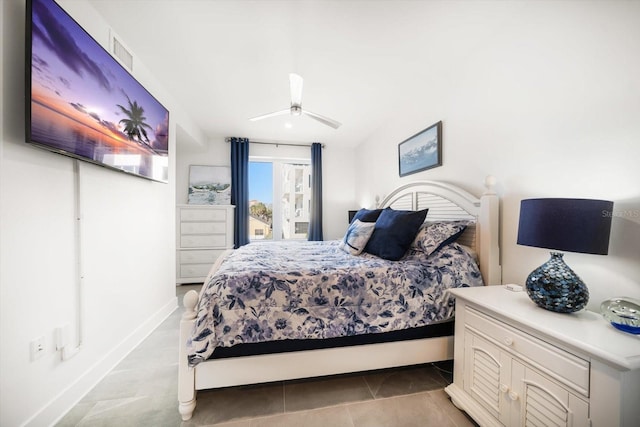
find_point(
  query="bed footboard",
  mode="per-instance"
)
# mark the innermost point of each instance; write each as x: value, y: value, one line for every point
x: 186, y: 374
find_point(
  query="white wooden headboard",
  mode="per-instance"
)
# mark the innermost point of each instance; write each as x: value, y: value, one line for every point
x: 448, y: 202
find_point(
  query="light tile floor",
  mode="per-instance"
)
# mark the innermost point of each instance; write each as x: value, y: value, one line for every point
x: 142, y: 391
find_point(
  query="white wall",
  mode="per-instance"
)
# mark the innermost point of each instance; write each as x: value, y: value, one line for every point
x: 546, y: 97
x: 127, y: 248
x: 338, y: 175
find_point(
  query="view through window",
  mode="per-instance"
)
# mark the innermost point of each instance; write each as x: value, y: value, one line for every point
x: 279, y: 199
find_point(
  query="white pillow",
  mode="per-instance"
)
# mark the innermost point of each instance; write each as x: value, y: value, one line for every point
x: 357, y: 236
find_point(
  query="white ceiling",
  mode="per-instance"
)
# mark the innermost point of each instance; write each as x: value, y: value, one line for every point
x: 363, y: 62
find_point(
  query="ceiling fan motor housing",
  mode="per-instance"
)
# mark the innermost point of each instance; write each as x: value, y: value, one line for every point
x: 296, y: 105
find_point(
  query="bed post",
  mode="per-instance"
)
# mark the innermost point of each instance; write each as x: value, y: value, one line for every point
x: 186, y: 374
x: 489, y: 234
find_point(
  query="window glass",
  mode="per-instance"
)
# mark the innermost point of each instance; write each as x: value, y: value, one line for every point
x: 286, y: 182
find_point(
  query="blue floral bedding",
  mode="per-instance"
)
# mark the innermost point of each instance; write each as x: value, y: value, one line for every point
x: 313, y: 290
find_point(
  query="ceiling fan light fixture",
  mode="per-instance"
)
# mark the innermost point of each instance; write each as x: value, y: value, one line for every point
x: 295, y: 108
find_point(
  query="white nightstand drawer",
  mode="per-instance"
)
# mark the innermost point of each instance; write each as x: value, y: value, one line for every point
x: 202, y: 227
x: 194, y: 270
x: 196, y: 241
x: 562, y: 365
x: 199, y: 257
x: 203, y: 215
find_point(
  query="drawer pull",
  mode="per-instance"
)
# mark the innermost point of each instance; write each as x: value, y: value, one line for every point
x: 508, y: 341
x: 513, y: 395
x: 504, y: 388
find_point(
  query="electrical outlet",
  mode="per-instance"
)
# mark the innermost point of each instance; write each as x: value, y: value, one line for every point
x: 37, y: 348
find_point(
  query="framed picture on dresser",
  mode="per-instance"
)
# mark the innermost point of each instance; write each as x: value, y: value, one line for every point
x: 422, y: 151
x: 209, y: 185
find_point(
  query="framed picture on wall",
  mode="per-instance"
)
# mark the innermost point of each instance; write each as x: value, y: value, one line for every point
x: 422, y: 151
x: 209, y: 185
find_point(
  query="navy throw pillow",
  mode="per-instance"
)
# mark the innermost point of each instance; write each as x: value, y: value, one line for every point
x: 394, y: 233
x: 367, y: 215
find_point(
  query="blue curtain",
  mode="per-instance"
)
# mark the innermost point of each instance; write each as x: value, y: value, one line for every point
x: 315, y: 221
x: 240, y: 189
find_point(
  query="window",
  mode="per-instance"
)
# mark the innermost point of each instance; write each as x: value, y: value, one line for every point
x: 287, y: 182
x: 302, y: 227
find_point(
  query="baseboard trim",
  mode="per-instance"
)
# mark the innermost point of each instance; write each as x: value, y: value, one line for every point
x: 58, y: 407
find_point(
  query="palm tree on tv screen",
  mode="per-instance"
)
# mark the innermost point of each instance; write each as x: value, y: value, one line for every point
x: 134, y: 125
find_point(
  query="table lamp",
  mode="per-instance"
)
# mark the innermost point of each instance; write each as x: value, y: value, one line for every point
x: 572, y: 225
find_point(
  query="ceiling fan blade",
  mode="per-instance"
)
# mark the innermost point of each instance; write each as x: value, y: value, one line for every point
x: 265, y: 116
x: 322, y: 119
x: 295, y: 82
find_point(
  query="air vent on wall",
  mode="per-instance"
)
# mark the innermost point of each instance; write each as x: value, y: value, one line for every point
x: 121, y: 52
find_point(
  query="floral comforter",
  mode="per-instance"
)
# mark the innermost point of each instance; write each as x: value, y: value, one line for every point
x: 314, y: 290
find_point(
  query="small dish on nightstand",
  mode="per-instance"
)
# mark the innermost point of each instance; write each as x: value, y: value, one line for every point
x: 623, y: 313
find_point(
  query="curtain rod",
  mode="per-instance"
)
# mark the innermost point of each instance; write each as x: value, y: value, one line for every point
x: 276, y: 143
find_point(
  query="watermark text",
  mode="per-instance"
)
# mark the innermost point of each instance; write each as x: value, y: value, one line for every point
x: 627, y: 213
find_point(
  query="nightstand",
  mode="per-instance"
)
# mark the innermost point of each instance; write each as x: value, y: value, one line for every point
x: 516, y: 364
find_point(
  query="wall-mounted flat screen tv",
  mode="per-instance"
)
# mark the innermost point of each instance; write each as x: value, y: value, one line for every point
x: 83, y: 103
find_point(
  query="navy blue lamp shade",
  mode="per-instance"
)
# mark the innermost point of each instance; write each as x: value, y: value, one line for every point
x: 572, y: 225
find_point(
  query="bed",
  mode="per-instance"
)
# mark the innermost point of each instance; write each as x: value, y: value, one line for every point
x: 278, y: 327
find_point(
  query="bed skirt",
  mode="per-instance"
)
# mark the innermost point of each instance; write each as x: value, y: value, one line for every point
x: 440, y: 329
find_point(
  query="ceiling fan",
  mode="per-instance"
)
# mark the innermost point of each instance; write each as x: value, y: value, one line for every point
x: 296, y: 105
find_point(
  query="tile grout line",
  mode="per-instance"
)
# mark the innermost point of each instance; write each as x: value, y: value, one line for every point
x: 345, y: 405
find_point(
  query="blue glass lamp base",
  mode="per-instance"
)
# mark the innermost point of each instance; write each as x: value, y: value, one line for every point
x: 555, y: 287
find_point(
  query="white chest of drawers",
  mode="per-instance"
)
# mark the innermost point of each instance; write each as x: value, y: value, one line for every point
x: 204, y: 232
x: 516, y: 364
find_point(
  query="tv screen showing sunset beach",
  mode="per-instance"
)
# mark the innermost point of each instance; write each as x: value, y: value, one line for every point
x: 84, y: 104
